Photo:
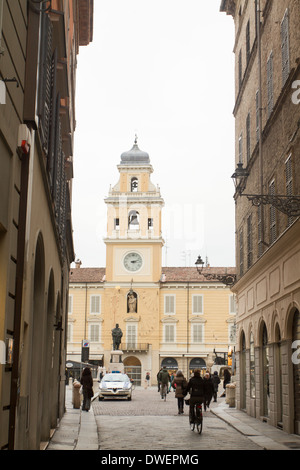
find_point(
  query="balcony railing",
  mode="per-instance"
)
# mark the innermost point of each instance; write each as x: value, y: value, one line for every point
x: 134, y: 347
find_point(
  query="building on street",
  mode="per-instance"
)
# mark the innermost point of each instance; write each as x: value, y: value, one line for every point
x: 267, y: 202
x: 39, y: 44
x: 170, y: 316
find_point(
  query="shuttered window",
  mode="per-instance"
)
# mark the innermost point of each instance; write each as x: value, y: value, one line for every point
x: 249, y: 242
x: 241, y: 148
x: 285, y: 52
x: 273, y: 229
x: 94, y: 333
x: 197, y: 333
x: 169, y: 333
x: 289, y: 181
x: 95, y: 304
x: 170, y: 304
x: 131, y: 336
x: 248, y: 41
x: 241, y: 245
x: 197, y: 304
x: 70, y: 304
x: 248, y: 137
x: 257, y: 116
x: 270, y: 84
x: 259, y: 230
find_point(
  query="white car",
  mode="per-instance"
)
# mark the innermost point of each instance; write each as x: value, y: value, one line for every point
x: 115, y: 385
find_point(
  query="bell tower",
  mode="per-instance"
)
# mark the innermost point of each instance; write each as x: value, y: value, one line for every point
x: 134, y: 239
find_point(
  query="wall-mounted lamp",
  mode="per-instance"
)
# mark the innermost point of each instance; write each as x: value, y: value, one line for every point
x: 289, y: 205
x: 226, y: 278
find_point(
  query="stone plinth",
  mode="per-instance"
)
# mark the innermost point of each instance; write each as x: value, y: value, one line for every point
x: 116, y: 363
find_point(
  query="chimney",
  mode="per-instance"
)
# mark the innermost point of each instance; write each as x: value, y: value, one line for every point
x: 78, y: 263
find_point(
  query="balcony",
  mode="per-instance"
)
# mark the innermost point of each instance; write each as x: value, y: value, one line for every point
x: 136, y: 348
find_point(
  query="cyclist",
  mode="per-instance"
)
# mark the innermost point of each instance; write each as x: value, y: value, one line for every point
x: 196, y: 389
x: 164, y: 379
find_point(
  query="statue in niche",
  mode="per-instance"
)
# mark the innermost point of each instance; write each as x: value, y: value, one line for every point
x: 116, y: 337
x: 132, y: 302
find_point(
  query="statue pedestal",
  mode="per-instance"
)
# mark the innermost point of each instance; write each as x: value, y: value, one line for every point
x: 116, y: 364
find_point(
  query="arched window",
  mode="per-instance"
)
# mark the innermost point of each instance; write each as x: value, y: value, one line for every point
x: 134, y: 184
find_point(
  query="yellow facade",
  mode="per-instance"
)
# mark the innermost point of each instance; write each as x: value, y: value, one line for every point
x: 178, y: 317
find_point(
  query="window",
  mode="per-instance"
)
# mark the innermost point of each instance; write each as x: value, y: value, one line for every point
x: 169, y: 304
x: 259, y: 230
x: 131, y: 336
x: 1, y: 19
x: 197, y: 304
x: 70, y: 333
x: 134, y: 185
x: 248, y: 41
x: 150, y: 223
x: 270, y: 84
x: 94, y: 332
x: 197, y: 333
x: 240, y: 69
x: 241, y: 243
x: 117, y: 224
x: 289, y: 181
x: 232, y: 305
x: 70, y: 305
x: 95, y: 304
x: 249, y: 242
x: 169, y: 333
x: 273, y: 229
x: 248, y: 137
x: 285, y: 53
x: 252, y: 367
x: 241, y: 148
x: 257, y: 116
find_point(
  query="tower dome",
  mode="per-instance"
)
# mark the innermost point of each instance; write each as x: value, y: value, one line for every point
x: 135, y: 156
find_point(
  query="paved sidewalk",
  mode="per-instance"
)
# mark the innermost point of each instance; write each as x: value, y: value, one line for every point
x: 78, y: 429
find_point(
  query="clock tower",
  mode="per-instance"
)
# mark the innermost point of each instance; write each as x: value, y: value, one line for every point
x: 134, y: 239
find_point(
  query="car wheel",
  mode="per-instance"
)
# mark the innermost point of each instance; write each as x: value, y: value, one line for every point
x: 129, y: 398
x: 100, y: 398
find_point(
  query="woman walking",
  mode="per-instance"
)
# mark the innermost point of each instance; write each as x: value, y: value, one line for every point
x: 87, y: 388
x: 180, y: 385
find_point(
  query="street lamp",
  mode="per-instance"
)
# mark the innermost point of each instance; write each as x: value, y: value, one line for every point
x: 226, y: 278
x: 289, y: 205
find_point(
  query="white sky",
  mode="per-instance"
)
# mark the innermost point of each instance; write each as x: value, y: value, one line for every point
x: 163, y: 69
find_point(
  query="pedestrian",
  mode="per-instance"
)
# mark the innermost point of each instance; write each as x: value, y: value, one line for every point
x: 208, y: 390
x: 147, y: 379
x: 87, y: 388
x: 179, y: 383
x: 227, y: 378
x: 164, y: 379
x: 195, y: 387
x: 172, y: 378
x: 158, y: 382
x: 216, y: 380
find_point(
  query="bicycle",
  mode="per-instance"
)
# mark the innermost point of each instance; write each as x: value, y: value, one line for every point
x: 196, y: 416
x: 163, y: 391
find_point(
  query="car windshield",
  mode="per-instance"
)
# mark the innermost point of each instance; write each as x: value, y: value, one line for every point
x: 115, y: 378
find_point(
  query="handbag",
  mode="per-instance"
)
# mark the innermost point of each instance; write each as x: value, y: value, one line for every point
x: 81, y: 390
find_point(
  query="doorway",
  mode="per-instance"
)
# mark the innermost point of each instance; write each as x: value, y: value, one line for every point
x: 133, y: 368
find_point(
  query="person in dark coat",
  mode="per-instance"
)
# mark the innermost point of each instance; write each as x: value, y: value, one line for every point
x: 179, y: 383
x: 227, y: 379
x: 208, y: 390
x: 195, y: 387
x: 87, y: 388
x: 216, y: 380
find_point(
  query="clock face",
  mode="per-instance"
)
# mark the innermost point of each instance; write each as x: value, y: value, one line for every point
x: 133, y: 261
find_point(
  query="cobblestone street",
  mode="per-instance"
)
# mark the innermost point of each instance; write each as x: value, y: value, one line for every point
x: 149, y: 423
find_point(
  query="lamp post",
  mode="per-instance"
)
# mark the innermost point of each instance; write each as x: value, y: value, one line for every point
x: 226, y: 278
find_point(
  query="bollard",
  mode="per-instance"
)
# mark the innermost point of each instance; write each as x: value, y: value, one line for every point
x: 230, y: 395
x: 76, y: 398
